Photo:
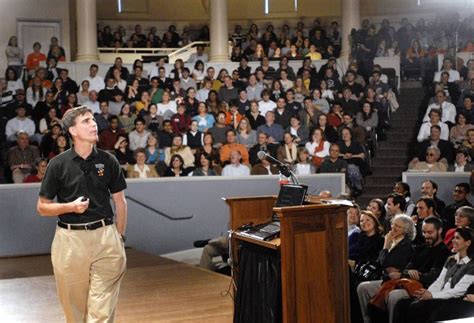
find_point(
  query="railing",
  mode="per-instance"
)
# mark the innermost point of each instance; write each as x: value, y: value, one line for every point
x: 129, y: 55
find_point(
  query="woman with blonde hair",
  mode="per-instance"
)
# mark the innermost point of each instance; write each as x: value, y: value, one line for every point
x: 141, y: 169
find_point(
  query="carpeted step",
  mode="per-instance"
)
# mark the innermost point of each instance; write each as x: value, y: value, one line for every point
x: 388, y: 170
x: 380, y: 180
x: 378, y: 189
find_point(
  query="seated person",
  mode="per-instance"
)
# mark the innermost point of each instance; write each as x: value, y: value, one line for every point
x: 38, y: 171
x: 288, y: 152
x: 21, y: 123
x: 469, y: 143
x: 109, y: 136
x: 219, y: 130
x: 232, y: 145
x: 263, y: 144
x: 140, y: 169
x: 264, y: 168
x: 235, y: 168
x: 204, y: 165
x: 453, y: 282
x: 318, y: 147
x: 424, y: 267
x: 369, y: 244
x: 272, y: 129
x: 177, y: 148
x: 353, y: 230
x: 458, y: 133
x: 333, y: 163
x: 303, y: 165
x: 22, y: 157
x: 122, y: 153
x: 432, y: 163
x: 393, y: 258
x: 464, y: 217
x: 445, y: 147
x: 176, y: 167
x: 449, y: 110
x: 461, y: 163
x: 435, y: 120
x: 353, y: 154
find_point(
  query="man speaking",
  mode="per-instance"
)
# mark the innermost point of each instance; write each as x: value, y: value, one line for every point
x: 88, y: 252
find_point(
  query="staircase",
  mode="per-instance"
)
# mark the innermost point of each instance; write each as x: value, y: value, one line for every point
x: 393, y: 154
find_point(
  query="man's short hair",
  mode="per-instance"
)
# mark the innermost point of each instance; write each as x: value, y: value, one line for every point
x: 139, y: 119
x: 69, y: 118
x: 434, y: 220
x: 466, y: 186
x: 94, y: 65
x: 398, y: 199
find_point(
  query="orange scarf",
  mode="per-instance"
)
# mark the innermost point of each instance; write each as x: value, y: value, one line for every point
x: 317, y: 161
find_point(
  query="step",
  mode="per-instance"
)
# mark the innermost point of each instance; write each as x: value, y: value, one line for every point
x: 388, y: 170
x: 394, y: 144
x: 378, y: 190
x: 381, y: 180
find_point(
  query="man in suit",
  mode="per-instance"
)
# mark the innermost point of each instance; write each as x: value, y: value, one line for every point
x: 445, y: 147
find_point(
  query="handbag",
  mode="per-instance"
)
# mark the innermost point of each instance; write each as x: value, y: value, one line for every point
x: 369, y: 270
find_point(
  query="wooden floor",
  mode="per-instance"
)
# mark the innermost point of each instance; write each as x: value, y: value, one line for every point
x: 154, y: 289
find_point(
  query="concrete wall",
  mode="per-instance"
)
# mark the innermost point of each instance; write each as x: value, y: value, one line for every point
x: 32, y: 10
x: 24, y: 232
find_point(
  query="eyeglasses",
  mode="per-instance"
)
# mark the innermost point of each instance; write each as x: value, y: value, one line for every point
x: 459, y: 191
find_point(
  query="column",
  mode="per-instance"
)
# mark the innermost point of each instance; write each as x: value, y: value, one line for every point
x: 86, y: 25
x: 219, y: 31
x: 350, y: 19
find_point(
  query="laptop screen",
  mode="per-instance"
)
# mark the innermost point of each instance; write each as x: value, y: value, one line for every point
x: 291, y: 195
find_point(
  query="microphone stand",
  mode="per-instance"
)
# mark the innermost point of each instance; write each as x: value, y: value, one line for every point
x: 284, y: 169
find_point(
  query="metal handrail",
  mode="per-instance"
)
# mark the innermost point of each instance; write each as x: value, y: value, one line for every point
x: 146, y: 206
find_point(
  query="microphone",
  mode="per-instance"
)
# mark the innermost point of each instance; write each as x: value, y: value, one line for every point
x: 283, y: 168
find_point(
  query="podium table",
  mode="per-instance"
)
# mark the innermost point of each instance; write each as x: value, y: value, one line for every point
x: 313, y: 251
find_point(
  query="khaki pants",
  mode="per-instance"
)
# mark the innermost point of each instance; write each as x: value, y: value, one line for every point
x: 216, y: 247
x: 88, y: 268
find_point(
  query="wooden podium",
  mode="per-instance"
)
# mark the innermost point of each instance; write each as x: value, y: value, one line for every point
x: 314, y: 256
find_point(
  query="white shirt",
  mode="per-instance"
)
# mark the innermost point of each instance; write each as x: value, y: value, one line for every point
x: 448, y: 112
x: 264, y: 107
x: 14, y: 125
x: 94, y: 106
x: 195, y: 57
x: 311, y: 146
x: 303, y: 169
x: 138, y: 140
x: 14, y: 85
x: 440, y: 289
x: 33, y: 100
x: 232, y: 170
x: 122, y: 84
x: 96, y: 83
x: 167, y: 110
x: 141, y: 174
x: 453, y: 76
x: 202, y: 94
x: 425, y: 131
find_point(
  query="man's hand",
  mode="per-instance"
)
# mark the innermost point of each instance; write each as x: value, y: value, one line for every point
x: 469, y: 298
x: 414, y: 274
x: 395, y: 275
x: 79, y: 206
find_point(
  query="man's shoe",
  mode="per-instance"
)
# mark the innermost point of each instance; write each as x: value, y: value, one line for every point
x: 200, y: 243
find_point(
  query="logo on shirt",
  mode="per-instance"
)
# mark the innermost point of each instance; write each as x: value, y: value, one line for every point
x: 100, y: 169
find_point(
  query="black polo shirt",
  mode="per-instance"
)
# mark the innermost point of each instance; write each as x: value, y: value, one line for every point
x: 69, y: 176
